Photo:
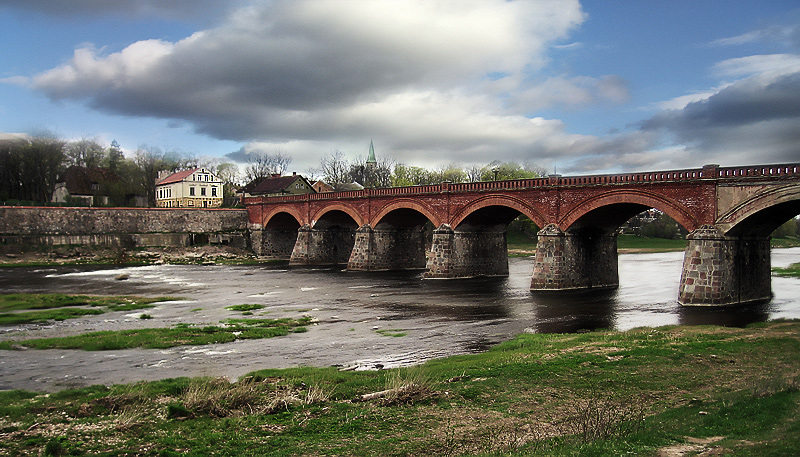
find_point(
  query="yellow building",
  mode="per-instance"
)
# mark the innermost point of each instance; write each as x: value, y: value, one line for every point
x: 195, y: 188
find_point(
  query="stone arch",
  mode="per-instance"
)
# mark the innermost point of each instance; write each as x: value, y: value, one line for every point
x: 499, y: 200
x: 773, y: 204
x: 617, y: 197
x: 338, y: 206
x: 406, y: 203
x: 283, y: 209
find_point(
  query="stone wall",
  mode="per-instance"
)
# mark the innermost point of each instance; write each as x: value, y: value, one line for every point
x: 722, y: 270
x: 466, y: 254
x: 323, y: 247
x: 126, y: 227
x: 580, y: 260
x: 388, y: 249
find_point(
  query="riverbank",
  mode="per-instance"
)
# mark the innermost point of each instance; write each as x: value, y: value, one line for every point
x: 98, y: 255
x: 659, y: 391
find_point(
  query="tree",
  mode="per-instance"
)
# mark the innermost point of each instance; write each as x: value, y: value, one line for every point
x: 149, y: 161
x: 405, y: 175
x: 334, y: 168
x: 114, y: 156
x: 86, y: 152
x: 261, y: 164
x: 29, y: 168
x: 502, y: 171
x: 375, y: 175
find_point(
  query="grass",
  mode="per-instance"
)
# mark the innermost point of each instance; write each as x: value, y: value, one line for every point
x: 792, y: 270
x: 639, y: 392
x: 396, y: 333
x: 650, y: 244
x: 161, y: 338
x: 244, y: 307
x: 18, y: 309
x: 525, y: 244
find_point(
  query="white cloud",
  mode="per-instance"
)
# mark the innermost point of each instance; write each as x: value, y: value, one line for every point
x: 311, y: 72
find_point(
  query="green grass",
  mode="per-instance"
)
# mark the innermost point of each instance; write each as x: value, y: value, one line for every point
x: 396, y: 333
x: 602, y: 393
x: 520, y: 241
x: 18, y: 309
x: 243, y: 308
x: 161, y: 338
x: 650, y: 244
x: 792, y: 270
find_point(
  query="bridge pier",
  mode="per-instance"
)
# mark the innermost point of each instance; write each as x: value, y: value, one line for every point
x: 466, y: 254
x: 724, y: 270
x: 330, y: 246
x: 386, y: 249
x: 575, y: 260
x: 275, y: 243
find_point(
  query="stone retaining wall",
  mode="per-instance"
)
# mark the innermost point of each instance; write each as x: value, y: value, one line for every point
x: 125, y: 227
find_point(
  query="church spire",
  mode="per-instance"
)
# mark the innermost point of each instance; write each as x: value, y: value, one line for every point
x: 371, y: 158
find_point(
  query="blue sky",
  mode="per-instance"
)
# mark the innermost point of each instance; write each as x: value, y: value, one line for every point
x: 589, y: 87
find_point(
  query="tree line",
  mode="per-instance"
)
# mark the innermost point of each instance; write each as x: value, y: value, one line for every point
x: 31, y: 167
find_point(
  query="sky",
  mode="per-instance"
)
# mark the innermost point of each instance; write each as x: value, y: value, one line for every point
x: 572, y: 87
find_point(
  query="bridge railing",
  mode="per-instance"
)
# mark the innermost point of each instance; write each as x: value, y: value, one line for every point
x: 760, y: 170
x: 707, y: 172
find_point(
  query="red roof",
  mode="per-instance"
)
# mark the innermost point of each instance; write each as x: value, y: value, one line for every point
x: 177, y: 177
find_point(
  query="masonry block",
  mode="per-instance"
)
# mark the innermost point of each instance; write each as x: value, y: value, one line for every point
x: 466, y: 254
x: 724, y: 270
x: 570, y: 261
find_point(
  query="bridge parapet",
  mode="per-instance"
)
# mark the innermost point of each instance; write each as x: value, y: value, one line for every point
x: 694, y: 174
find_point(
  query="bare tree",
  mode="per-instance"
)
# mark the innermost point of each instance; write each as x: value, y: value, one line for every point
x: 261, y: 164
x: 334, y: 167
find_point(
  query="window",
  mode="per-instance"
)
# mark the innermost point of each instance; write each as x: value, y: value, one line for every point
x: 213, y: 191
x: 203, y: 191
x: 191, y: 191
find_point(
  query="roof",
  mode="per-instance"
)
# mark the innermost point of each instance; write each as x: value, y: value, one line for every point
x: 271, y: 185
x: 177, y: 177
x: 79, y: 179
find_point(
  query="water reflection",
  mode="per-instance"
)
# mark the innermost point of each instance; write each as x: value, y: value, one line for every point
x: 574, y: 311
x: 726, y: 316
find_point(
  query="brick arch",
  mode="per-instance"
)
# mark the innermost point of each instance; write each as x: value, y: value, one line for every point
x: 407, y: 203
x: 758, y: 202
x: 659, y: 202
x: 352, y: 212
x: 499, y: 200
x: 283, y: 209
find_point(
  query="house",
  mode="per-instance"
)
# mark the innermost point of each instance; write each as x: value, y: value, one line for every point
x: 276, y: 185
x: 322, y: 186
x: 88, y: 186
x: 194, y: 188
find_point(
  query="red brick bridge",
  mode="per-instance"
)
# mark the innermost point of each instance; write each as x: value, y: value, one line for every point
x: 729, y: 213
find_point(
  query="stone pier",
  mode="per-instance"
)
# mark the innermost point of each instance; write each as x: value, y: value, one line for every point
x: 275, y: 243
x: 388, y: 249
x: 575, y: 260
x: 724, y: 270
x: 466, y: 254
x: 330, y: 246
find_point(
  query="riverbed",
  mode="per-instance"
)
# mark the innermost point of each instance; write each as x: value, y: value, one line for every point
x: 354, y: 315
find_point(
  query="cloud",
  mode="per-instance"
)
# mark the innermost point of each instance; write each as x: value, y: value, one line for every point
x: 788, y: 35
x: 171, y: 9
x: 313, y: 72
x: 754, y: 119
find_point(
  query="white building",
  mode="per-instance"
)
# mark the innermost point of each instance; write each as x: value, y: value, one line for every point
x: 195, y: 188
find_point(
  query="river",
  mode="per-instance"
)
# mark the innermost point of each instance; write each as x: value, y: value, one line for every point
x: 437, y: 317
